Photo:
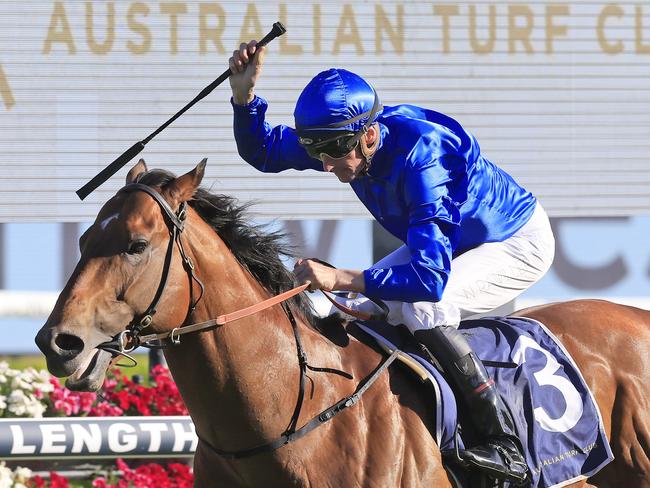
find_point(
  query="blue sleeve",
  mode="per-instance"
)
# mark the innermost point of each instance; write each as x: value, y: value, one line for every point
x: 433, y: 193
x: 269, y: 149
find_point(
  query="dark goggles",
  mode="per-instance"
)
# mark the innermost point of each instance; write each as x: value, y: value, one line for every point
x: 336, y: 147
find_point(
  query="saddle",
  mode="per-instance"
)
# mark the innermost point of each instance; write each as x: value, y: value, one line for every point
x: 556, y: 417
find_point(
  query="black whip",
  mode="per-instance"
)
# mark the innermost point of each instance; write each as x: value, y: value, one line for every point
x: 277, y: 30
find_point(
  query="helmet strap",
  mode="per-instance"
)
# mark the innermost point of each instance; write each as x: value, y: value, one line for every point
x: 368, y: 151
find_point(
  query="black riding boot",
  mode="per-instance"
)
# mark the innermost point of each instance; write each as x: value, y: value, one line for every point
x: 501, y: 454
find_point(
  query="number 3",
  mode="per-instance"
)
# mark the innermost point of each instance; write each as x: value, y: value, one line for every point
x: 547, y: 376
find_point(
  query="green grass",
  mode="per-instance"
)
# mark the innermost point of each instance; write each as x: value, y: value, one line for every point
x: 37, y: 361
x: 24, y: 361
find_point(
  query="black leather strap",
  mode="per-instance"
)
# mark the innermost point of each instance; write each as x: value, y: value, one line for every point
x: 177, y: 221
x: 318, y: 420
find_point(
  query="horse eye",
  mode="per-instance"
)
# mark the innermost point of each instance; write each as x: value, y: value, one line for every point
x: 137, y: 247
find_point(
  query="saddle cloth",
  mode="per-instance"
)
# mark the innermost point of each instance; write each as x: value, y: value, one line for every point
x: 556, y: 416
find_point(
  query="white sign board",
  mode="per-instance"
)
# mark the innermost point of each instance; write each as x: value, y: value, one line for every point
x: 557, y: 93
x: 97, y: 437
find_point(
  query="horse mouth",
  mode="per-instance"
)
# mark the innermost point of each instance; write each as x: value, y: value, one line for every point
x: 90, y: 374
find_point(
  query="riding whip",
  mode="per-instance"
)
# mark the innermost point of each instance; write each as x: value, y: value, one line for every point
x: 277, y: 30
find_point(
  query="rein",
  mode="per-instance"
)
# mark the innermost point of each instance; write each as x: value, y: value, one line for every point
x: 129, y: 339
x: 174, y: 334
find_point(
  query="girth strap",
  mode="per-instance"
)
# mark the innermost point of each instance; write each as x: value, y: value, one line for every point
x: 321, y: 418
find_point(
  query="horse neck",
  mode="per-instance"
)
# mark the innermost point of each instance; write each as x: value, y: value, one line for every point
x: 234, y: 379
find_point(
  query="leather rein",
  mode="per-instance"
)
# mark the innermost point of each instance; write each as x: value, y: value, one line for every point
x: 129, y: 339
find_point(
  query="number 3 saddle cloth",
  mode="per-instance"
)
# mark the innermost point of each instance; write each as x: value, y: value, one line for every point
x: 556, y: 416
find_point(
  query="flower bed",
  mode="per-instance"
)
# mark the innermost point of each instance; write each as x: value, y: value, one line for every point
x: 34, y: 394
x: 150, y: 475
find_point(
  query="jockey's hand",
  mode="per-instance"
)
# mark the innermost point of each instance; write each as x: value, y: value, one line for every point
x: 245, y: 68
x: 319, y: 276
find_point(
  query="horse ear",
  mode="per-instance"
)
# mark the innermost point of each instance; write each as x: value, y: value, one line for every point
x: 138, y: 170
x: 183, y: 188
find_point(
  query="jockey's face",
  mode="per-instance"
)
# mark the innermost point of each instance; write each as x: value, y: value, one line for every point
x: 346, y: 168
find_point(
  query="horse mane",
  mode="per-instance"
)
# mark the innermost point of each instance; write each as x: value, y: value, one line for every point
x: 254, y: 246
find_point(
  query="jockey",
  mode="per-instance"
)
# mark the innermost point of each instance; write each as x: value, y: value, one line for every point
x: 473, y: 238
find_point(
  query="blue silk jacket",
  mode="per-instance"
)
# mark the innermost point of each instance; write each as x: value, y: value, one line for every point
x: 428, y: 185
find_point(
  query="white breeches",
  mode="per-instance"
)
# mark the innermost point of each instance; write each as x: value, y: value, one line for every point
x: 481, y: 279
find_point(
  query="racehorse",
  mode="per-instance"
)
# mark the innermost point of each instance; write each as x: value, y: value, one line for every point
x: 242, y: 379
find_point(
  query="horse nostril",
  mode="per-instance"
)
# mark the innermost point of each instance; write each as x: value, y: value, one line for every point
x: 69, y: 343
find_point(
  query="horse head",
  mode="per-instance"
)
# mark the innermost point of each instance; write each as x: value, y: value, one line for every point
x: 123, y: 256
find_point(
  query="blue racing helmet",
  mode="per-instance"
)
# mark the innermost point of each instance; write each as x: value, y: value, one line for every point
x: 336, y: 100
x: 333, y: 111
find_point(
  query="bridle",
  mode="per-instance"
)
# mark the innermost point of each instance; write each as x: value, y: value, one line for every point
x: 129, y: 339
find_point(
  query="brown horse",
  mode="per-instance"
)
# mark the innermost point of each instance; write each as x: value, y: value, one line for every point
x: 241, y: 380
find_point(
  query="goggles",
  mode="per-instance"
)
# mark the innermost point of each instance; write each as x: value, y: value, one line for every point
x: 335, y: 147
x: 333, y: 143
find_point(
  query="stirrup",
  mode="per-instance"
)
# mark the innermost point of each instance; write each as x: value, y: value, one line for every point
x: 506, y: 474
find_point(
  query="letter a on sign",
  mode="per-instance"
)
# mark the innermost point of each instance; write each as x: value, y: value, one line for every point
x: 5, y: 90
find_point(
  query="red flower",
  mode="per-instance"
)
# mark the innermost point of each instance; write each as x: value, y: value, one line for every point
x: 153, y: 475
x: 128, y: 473
x: 105, y: 409
x: 57, y: 481
x: 62, y: 401
x: 36, y: 482
x: 181, y: 474
x: 120, y: 396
